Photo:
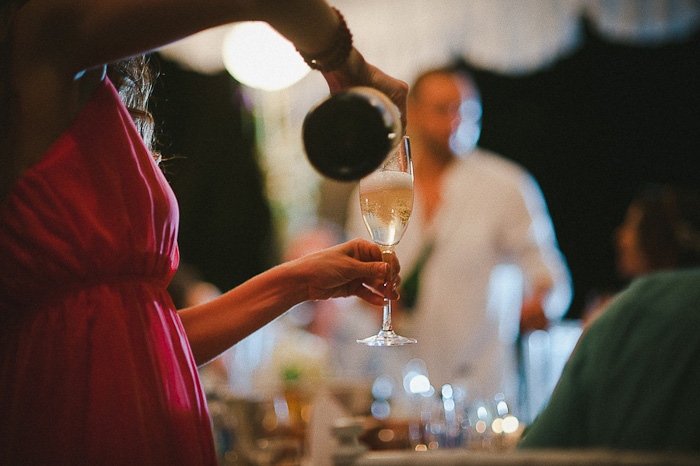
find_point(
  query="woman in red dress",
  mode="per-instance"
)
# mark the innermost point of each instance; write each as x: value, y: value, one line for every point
x: 96, y: 366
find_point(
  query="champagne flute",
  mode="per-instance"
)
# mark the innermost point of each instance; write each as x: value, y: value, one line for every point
x: 386, y: 200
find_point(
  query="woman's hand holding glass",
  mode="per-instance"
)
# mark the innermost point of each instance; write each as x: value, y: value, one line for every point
x: 354, y: 268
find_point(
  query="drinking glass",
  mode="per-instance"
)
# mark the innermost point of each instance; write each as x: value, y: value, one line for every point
x: 386, y: 199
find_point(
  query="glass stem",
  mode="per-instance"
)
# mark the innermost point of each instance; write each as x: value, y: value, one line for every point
x: 387, y: 326
x: 386, y: 322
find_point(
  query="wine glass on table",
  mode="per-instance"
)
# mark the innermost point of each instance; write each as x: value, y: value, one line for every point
x: 386, y: 200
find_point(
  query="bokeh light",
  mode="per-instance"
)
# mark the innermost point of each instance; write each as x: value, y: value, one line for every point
x: 419, y: 384
x: 510, y: 424
x: 260, y: 57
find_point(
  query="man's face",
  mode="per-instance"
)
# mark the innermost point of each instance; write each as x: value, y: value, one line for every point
x: 434, y: 113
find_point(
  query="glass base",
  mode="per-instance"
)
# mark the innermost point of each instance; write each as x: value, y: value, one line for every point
x: 387, y: 338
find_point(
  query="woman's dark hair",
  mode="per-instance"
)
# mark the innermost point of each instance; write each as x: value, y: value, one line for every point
x: 134, y: 79
x: 669, y: 228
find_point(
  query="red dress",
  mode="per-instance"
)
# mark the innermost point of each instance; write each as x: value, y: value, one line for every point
x: 95, y: 367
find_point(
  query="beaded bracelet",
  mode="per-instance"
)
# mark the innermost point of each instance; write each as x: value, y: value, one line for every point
x: 334, y: 56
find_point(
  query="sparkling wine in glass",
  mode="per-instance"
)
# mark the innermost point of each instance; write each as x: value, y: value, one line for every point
x: 386, y: 200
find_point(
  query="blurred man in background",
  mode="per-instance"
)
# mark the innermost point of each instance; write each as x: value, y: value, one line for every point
x: 479, y: 259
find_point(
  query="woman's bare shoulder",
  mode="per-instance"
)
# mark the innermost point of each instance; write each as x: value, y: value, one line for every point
x: 41, y: 105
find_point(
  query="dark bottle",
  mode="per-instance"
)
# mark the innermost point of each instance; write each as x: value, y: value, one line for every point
x: 349, y: 134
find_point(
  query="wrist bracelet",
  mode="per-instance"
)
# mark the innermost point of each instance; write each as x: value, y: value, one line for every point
x: 334, y: 56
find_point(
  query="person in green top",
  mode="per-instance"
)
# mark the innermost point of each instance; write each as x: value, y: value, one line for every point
x: 633, y: 381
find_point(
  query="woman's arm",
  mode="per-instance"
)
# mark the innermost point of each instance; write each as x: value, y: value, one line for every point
x: 55, y: 41
x: 344, y: 270
x: 81, y: 34
x: 71, y: 36
x: 75, y: 35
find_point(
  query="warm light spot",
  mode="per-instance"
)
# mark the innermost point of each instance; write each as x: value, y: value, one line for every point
x: 510, y: 424
x: 480, y: 427
x: 433, y: 445
x: 258, y: 56
x: 497, y: 425
x: 386, y: 435
x: 306, y: 413
x: 421, y: 447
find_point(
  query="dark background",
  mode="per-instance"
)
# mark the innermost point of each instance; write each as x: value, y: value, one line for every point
x: 592, y: 129
x: 206, y: 135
